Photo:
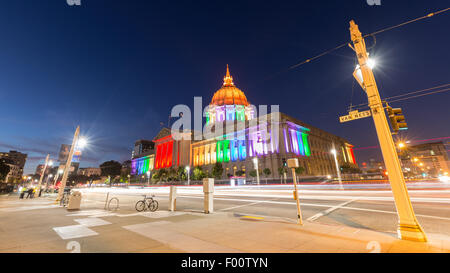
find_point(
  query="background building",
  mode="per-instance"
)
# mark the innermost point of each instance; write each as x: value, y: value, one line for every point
x: 89, y: 171
x: 16, y: 162
x: 276, y: 138
x: 428, y: 159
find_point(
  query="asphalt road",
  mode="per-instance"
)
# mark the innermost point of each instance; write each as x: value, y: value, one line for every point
x: 366, y: 207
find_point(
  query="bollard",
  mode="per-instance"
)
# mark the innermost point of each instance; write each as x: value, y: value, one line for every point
x: 173, y: 198
x: 208, y: 190
x: 106, y: 201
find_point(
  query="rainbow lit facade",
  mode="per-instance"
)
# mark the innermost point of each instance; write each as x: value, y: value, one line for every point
x: 271, y: 140
x: 142, y: 165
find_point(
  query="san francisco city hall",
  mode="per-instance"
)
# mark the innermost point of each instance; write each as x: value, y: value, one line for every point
x: 271, y: 142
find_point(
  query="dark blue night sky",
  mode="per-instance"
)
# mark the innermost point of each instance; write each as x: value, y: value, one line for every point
x: 117, y: 67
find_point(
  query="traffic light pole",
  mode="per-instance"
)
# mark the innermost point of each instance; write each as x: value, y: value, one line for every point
x: 408, y: 226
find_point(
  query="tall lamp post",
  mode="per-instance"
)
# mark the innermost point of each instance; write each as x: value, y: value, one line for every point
x: 148, y: 178
x: 408, y: 226
x: 42, y: 174
x: 188, y: 169
x: 255, y: 161
x: 49, y: 177
x: 68, y: 163
x: 57, y: 176
x: 338, y: 170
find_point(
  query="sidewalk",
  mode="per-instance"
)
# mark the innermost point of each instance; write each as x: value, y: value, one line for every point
x: 38, y: 225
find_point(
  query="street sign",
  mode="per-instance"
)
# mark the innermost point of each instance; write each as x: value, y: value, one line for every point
x: 355, y: 115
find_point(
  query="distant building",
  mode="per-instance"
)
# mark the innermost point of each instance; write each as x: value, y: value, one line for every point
x: 90, y: 171
x: 16, y: 161
x: 428, y: 158
x: 143, y: 147
x: 73, y: 167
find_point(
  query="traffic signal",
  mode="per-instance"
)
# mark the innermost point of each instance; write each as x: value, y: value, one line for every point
x: 284, y: 162
x: 397, y: 119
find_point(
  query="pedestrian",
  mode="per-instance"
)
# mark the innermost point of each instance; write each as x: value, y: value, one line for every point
x: 22, y: 192
x: 40, y: 191
x: 30, y: 193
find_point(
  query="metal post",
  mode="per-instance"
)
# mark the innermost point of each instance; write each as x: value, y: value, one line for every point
x: 338, y: 170
x: 255, y: 161
x: 68, y: 163
x: 208, y: 190
x: 106, y: 201
x: 293, y: 163
x: 408, y: 226
x: 42, y: 175
x: 173, y: 198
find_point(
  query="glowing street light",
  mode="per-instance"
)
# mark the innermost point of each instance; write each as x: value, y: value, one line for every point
x: 338, y: 170
x: 82, y: 142
x: 148, y: 178
x: 188, y: 174
x: 371, y: 63
x: 255, y: 161
x: 401, y: 145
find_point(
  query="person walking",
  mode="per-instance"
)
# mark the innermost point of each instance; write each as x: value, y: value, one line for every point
x: 30, y: 193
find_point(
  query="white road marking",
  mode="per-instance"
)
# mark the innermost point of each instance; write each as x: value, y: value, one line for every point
x: 75, y: 231
x: 240, y: 206
x: 92, y: 222
x: 328, y: 211
x: 319, y: 205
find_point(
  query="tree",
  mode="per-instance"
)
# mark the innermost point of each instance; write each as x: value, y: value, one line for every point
x: 172, y: 174
x: 4, y: 170
x: 240, y: 173
x: 252, y: 173
x: 348, y: 168
x: 198, y: 174
x: 181, y: 173
x: 111, y: 168
x: 266, y: 173
x: 299, y: 170
x: 217, y: 170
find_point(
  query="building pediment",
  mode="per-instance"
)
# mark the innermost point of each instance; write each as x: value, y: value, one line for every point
x: 163, y: 133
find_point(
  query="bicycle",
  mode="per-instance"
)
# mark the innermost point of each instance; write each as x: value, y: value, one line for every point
x: 113, y: 203
x: 147, y: 203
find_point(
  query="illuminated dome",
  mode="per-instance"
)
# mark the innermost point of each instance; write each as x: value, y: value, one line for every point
x: 229, y: 94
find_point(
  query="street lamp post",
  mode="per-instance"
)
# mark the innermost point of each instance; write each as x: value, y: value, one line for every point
x: 188, y: 169
x: 255, y: 161
x: 68, y: 163
x: 408, y: 226
x: 57, y: 176
x: 48, y: 178
x: 42, y: 174
x: 148, y: 178
x: 338, y: 170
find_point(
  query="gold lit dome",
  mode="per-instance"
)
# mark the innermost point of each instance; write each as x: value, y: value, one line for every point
x: 229, y: 94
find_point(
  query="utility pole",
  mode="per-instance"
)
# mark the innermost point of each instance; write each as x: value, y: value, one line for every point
x: 42, y: 174
x: 408, y: 226
x: 68, y: 163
